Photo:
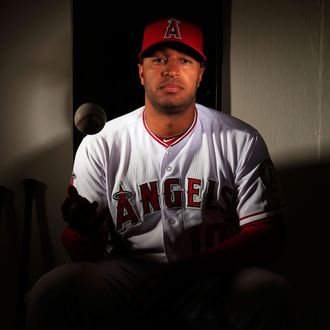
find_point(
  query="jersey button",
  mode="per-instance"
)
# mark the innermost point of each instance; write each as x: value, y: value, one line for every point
x: 169, y: 168
x: 172, y: 222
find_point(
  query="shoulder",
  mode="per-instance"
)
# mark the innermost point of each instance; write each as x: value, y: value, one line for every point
x: 114, y: 130
x: 231, y: 133
x: 122, y: 123
x: 117, y: 125
x: 216, y: 120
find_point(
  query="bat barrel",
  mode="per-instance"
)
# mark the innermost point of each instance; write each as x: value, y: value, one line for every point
x: 3, y: 191
x: 30, y: 185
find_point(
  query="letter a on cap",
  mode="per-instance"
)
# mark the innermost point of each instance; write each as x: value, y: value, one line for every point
x: 172, y: 29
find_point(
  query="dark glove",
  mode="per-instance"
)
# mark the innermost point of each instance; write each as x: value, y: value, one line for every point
x: 80, y: 214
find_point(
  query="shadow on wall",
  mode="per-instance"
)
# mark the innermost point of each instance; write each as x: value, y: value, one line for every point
x: 27, y: 252
x: 305, y: 262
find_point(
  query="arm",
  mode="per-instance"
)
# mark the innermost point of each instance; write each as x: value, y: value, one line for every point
x: 86, y: 235
x: 257, y: 204
x: 258, y: 243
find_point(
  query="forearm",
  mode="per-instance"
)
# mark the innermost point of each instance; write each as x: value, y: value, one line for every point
x: 257, y: 244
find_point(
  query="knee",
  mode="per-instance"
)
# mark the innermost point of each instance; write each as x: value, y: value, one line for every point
x: 254, y: 279
x: 62, y: 285
x: 67, y: 290
x: 260, y: 299
x: 259, y: 285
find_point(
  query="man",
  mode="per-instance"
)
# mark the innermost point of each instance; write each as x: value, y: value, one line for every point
x: 187, y: 196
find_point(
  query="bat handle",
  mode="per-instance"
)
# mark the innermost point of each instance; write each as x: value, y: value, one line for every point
x: 29, y: 185
x: 3, y: 191
x: 29, y: 188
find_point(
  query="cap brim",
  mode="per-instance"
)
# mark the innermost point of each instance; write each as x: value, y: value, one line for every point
x: 178, y: 45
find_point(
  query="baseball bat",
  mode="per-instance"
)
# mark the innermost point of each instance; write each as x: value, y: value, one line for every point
x: 29, y: 192
x: 3, y: 191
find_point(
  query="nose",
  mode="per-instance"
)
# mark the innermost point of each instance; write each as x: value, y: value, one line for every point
x: 171, y: 69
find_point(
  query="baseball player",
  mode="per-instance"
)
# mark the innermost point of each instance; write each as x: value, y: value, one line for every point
x: 172, y: 210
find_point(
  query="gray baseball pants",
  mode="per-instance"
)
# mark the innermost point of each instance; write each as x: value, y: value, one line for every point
x: 95, y: 296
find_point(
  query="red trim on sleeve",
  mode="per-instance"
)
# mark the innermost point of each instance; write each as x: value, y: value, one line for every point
x: 258, y: 243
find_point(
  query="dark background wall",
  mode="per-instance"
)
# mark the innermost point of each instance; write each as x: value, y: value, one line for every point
x: 275, y: 75
x: 106, y: 47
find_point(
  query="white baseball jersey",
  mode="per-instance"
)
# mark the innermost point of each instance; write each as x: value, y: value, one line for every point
x: 172, y: 202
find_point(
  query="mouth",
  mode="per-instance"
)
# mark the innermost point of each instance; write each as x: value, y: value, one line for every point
x: 171, y: 87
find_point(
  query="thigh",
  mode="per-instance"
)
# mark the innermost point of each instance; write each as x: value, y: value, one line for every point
x: 258, y: 299
x: 251, y: 298
x: 256, y: 284
x: 117, y: 275
x: 82, y: 295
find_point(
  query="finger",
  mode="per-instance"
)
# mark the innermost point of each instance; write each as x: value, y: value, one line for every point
x: 76, y: 210
x: 72, y: 190
x: 70, y: 199
x: 104, y: 213
x: 101, y: 217
x: 67, y: 203
x: 94, y: 205
x: 66, y: 208
x: 90, y: 213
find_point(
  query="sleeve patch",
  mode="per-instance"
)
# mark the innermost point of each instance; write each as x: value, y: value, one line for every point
x: 268, y: 175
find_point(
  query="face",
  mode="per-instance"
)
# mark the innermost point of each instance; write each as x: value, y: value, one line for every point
x: 170, y: 79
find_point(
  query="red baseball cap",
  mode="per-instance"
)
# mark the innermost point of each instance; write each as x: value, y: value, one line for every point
x: 173, y: 30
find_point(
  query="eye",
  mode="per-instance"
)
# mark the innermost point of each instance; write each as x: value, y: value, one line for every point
x: 159, y: 59
x: 185, y: 60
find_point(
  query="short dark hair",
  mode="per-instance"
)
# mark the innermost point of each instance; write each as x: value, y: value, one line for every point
x: 175, y: 45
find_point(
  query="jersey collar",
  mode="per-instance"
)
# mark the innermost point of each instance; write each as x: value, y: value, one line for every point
x: 176, y: 140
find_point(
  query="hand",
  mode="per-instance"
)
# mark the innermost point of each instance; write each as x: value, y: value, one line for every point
x: 80, y: 214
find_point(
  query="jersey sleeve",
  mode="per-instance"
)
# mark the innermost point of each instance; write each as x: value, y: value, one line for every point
x: 88, y: 174
x: 256, y: 183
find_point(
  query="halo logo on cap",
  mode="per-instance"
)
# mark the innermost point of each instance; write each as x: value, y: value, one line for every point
x: 173, y: 30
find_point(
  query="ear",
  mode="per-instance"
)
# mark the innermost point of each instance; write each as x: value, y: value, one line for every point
x: 200, y: 76
x: 140, y: 68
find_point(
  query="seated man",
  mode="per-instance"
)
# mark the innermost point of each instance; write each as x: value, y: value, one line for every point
x: 173, y: 213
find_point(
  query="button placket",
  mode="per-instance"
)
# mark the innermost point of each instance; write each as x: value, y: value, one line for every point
x: 172, y: 222
x: 167, y: 165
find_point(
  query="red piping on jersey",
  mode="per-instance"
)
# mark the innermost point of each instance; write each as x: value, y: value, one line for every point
x: 155, y: 137
x: 252, y: 215
x: 258, y: 213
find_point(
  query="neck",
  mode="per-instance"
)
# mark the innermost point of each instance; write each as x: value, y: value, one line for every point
x: 169, y: 124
